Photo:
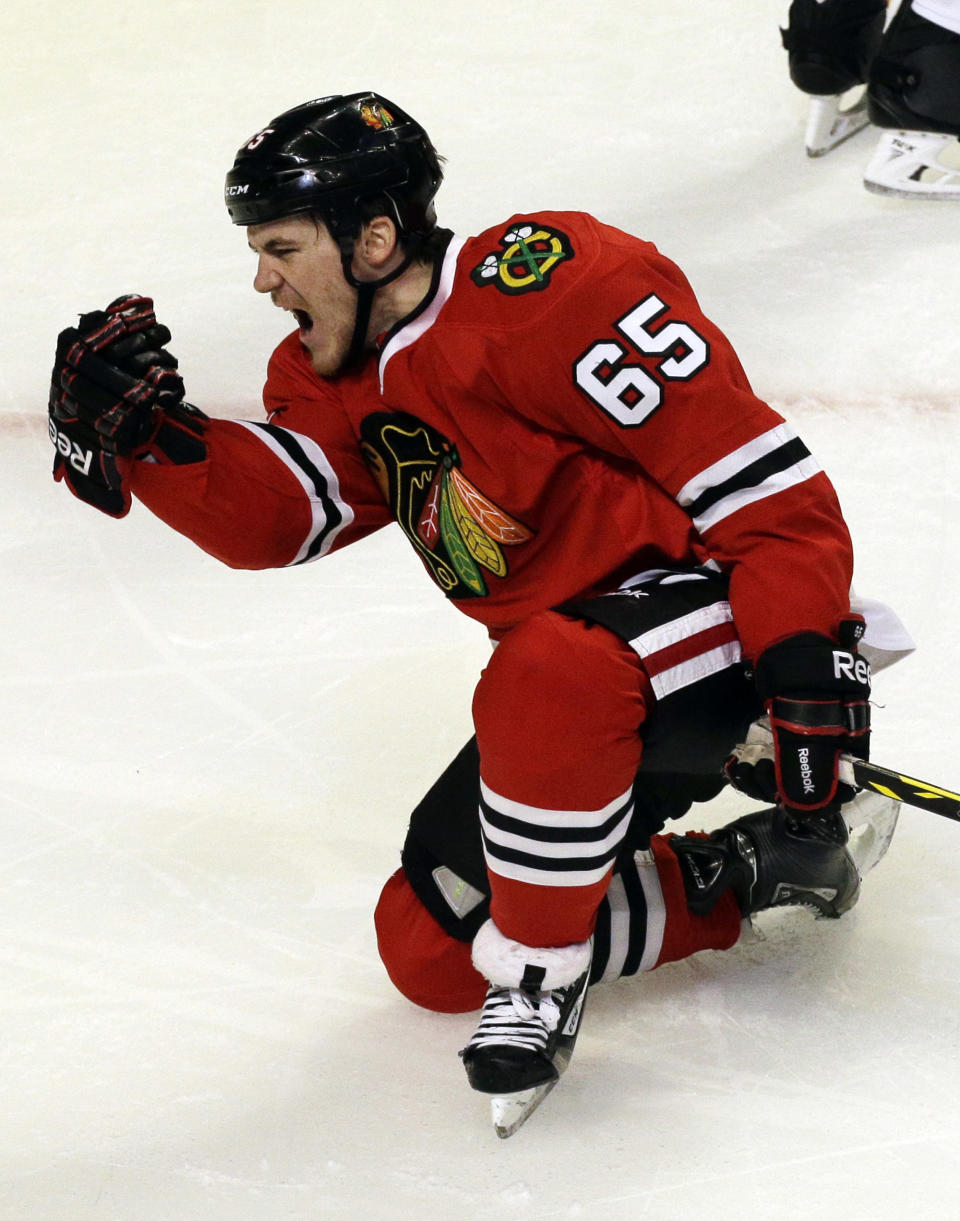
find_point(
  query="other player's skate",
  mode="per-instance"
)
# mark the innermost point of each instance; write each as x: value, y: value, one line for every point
x: 915, y: 164
x: 914, y: 92
x: 830, y: 44
x: 529, y: 1023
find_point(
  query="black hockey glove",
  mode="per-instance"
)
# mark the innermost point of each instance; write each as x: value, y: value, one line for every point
x: 115, y: 390
x: 816, y: 694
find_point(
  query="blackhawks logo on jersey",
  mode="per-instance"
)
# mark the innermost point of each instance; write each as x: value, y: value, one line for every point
x: 457, y: 531
x: 530, y: 254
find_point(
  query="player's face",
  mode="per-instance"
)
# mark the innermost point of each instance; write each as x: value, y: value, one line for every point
x: 299, y: 266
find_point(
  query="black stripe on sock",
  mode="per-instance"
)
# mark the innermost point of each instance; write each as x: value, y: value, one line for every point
x: 548, y: 864
x: 554, y: 835
x: 637, y: 903
x: 601, y: 942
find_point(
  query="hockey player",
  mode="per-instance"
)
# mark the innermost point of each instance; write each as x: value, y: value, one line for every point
x: 912, y: 74
x: 576, y: 455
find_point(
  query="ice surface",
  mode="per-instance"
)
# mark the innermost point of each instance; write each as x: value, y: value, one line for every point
x: 206, y: 774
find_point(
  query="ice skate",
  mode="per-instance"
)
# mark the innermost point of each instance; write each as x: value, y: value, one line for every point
x: 772, y: 859
x: 831, y: 120
x: 914, y: 92
x: 915, y: 164
x: 830, y: 46
x: 528, y: 1028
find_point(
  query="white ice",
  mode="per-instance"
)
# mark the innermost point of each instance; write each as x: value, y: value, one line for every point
x: 206, y: 774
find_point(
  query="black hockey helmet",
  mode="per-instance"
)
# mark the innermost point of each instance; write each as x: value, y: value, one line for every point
x: 330, y: 155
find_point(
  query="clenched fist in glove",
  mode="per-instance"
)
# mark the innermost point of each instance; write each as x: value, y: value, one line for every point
x: 816, y: 695
x: 115, y: 391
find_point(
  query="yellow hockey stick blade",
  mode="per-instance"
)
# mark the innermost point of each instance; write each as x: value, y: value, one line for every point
x: 903, y: 788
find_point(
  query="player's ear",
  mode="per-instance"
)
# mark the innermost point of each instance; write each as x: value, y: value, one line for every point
x: 378, y: 242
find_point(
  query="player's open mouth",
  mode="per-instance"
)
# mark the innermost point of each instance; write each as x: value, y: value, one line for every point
x: 304, y: 321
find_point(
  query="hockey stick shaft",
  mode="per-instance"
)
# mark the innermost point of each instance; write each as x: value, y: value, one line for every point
x: 911, y: 792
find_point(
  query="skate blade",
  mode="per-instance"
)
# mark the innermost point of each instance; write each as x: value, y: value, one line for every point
x: 915, y: 165
x: 871, y: 820
x: 829, y: 124
x: 511, y: 1111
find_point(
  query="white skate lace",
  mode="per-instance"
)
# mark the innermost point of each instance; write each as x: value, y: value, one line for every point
x: 511, y: 1016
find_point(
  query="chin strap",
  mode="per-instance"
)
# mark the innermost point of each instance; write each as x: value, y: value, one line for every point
x: 365, y: 293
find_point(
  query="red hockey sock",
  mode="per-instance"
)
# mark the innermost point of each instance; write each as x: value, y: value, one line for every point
x: 683, y: 932
x: 557, y: 713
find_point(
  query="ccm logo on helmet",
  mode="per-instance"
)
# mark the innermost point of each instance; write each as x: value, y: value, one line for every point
x: 846, y: 665
x: 238, y: 190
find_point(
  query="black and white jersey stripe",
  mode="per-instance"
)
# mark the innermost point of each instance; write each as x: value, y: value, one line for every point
x: 551, y: 847
x: 770, y: 463
x: 304, y: 457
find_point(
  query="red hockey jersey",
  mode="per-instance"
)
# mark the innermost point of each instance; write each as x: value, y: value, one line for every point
x: 556, y: 417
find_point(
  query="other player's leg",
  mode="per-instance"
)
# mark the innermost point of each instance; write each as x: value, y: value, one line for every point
x: 914, y: 93
x: 830, y: 45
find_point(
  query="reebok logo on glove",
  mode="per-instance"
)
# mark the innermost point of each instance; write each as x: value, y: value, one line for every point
x: 854, y: 668
x: 806, y: 771
x: 80, y: 459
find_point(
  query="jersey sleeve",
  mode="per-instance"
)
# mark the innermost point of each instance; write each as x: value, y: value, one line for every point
x: 272, y: 493
x: 635, y: 368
